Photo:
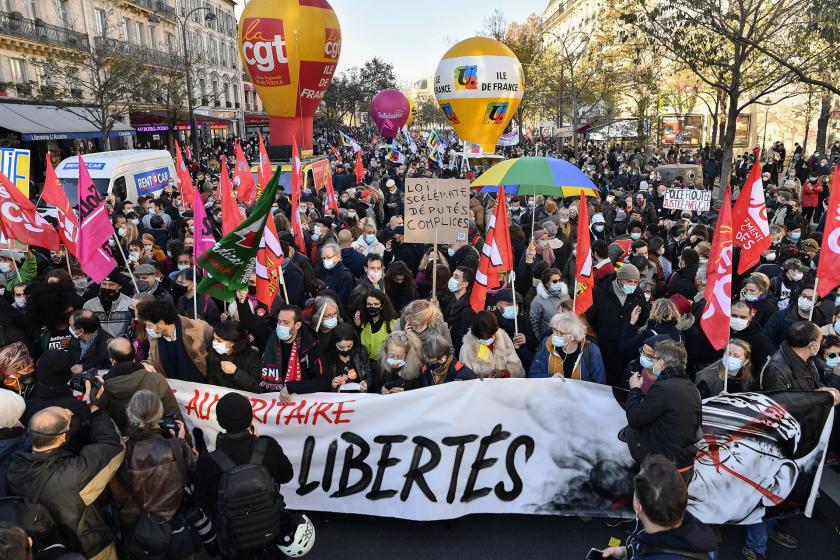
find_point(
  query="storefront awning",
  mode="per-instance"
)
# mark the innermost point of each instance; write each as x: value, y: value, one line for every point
x: 45, y: 122
x: 156, y: 122
x: 256, y: 119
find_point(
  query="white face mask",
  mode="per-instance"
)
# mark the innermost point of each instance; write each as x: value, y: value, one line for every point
x: 805, y: 303
x: 152, y: 333
x: 328, y: 263
x: 4, y: 267
x: 220, y: 347
x: 374, y: 276
x: 183, y: 266
x: 20, y: 301
x: 738, y: 324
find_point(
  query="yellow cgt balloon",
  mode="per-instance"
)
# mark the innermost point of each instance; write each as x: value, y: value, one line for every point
x: 291, y: 49
x: 479, y: 85
x: 412, y: 113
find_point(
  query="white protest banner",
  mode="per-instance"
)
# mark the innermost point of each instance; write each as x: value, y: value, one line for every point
x: 436, y: 210
x: 540, y: 446
x: 687, y: 199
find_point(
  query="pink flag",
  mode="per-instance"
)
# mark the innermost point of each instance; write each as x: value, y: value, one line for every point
x: 203, y: 240
x: 95, y: 229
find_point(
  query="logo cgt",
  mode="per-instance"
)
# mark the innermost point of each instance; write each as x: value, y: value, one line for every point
x: 264, y: 51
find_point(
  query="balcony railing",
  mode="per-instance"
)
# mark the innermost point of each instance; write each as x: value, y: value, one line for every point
x: 136, y: 52
x: 37, y: 30
x: 155, y: 6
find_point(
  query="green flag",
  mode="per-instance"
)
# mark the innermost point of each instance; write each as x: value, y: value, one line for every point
x: 231, y: 261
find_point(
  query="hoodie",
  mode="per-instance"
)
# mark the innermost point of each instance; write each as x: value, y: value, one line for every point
x: 691, y: 536
x: 126, y: 378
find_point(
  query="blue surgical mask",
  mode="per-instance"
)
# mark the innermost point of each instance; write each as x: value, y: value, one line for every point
x: 750, y: 297
x: 509, y: 312
x: 833, y: 362
x: 328, y: 263
x: 557, y: 341
x: 330, y: 323
x: 795, y: 235
x: 316, y: 235
x: 645, y: 362
x: 732, y: 363
x: 452, y: 285
x: 450, y: 251
x: 555, y: 286
x: 635, y: 235
x: 283, y: 333
x: 656, y: 372
x: 370, y: 238
x: 628, y: 288
x: 395, y: 363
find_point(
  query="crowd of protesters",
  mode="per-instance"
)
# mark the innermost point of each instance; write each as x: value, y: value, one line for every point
x: 364, y: 311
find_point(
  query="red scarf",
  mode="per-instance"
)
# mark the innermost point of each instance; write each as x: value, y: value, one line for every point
x: 293, y: 368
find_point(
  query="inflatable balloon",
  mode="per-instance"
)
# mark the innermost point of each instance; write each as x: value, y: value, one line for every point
x: 412, y: 112
x: 290, y: 49
x: 479, y: 84
x: 389, y: 110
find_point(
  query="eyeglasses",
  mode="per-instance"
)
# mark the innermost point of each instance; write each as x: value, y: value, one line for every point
x: 643, y: 353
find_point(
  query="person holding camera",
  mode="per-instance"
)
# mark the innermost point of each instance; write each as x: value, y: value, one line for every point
x: 126, y: 377
x: 157, y: 469
x: 88, y: 349
x: 66, y: 483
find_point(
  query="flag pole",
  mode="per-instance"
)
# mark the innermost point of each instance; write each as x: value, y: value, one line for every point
x: 513, y: 296
x: 127, y: 266
x: 283, y: 283
x: 14, y: 260
x: 725, y: 369
x: 434, y: 254
x: 320, y: 318
x: 195, y: 292
x: 534, y: 211
x: 67, y: 259
x: 814, y: 299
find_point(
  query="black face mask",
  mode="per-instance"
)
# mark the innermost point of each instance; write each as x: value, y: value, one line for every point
x: 344, y: 353
x: 178, y: 291
x: 252, y: 290
x: 374, y: 311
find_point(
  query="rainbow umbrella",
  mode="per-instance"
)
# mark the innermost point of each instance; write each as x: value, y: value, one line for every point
x: 536, y: 175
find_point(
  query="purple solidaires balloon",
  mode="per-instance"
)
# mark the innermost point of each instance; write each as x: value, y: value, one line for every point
x: 389, y: 110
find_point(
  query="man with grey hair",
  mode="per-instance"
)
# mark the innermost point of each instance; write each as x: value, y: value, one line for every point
x: 667, y: 420
x: 440, y: 364
x: 334, y: 274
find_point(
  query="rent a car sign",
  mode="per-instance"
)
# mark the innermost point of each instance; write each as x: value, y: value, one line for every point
x: 151, y: 181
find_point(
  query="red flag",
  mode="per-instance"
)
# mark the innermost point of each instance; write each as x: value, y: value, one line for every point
x: 496, y: 254
x: 749, y: 216
x: 269, y: 259
x: 20, y: 221
x: 231, y: 216
x: 330, y: 201
x: 264, y: 172
x: 584, y: 281
x: 246, y: 189
x: 203, y: 240
x: 68, y: 222
x: 828, y: 269
x: 184, y: 178
x: 718, y: 293
x: 95, y: 229
x: 360, y: 169
x: 336, y: 153
x: 297, y: 192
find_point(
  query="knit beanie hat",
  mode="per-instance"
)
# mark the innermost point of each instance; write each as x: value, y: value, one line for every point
x: 234, y: 413
x: 12, y: 406
x: 628, y: 272
x: 53, y: 368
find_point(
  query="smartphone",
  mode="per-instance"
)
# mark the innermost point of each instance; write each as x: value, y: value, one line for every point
x: 595, y: 554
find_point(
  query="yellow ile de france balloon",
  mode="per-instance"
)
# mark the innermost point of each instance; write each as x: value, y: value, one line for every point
x: 412, y: 113
x: 291, y: 49
x: 479, y: 85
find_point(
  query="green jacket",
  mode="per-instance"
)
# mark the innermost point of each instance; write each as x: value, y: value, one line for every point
x: 28, y: 272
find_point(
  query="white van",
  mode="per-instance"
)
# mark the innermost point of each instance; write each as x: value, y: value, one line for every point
x: 125, y: 173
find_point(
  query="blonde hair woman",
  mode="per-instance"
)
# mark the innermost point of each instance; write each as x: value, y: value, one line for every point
x: 424, y: 319
x: 566, y: 352
x: 736, y: 363
x: 664, y: 317
x: 398, y: 364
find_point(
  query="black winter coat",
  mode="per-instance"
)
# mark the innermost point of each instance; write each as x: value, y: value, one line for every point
x: 247, y: 374
x: 96, y: 356
x: 665, y: 421
x: 459, y: 316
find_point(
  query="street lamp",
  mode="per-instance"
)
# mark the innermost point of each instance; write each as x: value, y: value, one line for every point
x: 208, y: 17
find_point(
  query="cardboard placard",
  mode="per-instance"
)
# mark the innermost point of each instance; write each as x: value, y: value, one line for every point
x: 436, y: 210
x: 687, y: 199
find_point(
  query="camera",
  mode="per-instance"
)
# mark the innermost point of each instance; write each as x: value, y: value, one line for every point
x: 169, y: 422
x: 77, y: 381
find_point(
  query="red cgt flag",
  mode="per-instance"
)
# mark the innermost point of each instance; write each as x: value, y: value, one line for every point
x: 246, y: 189
x: 496, y: 254
x: 750, y: 214
x: 718, y: 293
x: 360, y: 169
x: 231, y: 216
x: 184, y: 178
x: 828, y: 270
x: 297, y: 192
x: 330, y: 201
x: 269, y: 260
x: 68, y: 222
x: 584, y: 281
x: 264, y: 172
x: 20, y: 221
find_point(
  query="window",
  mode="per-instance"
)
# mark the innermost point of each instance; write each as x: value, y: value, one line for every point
x: 170, y: 42
x: 30, y: 9
x: 152, y: 39
x: 233, y: 57
x: 222, y: 54
x: 141, y: 34
x: 101, y: 22
x: 202, y: 83
x: 18, y: 66
x: 6, y: 6
x: 61, y: 10
x: 126, y: 33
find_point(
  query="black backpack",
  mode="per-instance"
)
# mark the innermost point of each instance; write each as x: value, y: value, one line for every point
x: 249, y: 507
x: 151, y: 536
x: 34, y: 518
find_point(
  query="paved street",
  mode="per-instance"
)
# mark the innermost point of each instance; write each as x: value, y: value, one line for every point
x: 479, y: 537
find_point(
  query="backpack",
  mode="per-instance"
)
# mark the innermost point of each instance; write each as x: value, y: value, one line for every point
x: 151, y: 536
x: 34, y: 518
x: 249, y: 507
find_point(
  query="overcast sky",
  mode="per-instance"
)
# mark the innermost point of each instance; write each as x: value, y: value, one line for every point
x: 413, y: 34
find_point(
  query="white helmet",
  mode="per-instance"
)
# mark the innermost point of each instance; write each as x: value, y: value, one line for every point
x: 299, y: 539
